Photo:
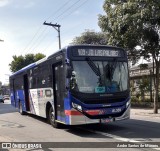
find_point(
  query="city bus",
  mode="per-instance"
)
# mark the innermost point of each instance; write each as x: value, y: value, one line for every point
x: 79, y: 84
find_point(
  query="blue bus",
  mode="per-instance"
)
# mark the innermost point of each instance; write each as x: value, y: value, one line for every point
x: 79, y: 84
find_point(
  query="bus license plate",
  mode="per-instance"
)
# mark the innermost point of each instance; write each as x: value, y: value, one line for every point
x: 106, y: 120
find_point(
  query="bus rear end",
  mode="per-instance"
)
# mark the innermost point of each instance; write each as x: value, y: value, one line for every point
x: 98, y: 85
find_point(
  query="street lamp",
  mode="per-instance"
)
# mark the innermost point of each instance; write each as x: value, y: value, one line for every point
x: 1, y: 40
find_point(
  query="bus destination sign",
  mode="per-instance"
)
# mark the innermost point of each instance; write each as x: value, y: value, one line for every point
x: 97, y: 52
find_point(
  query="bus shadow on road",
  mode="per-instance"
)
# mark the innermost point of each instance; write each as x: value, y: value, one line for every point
x: 42, y: 119
x: 84, y: 131
x: 7, y: 108
x: 90, y: 130
x: 131, y: 129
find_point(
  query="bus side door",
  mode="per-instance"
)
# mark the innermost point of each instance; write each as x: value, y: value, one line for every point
x: 58, y: 87
x: 13, y: 93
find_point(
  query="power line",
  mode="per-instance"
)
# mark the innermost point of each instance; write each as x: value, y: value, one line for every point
x: 33, y: 44
x: 68, y: 15
x: 42, y: 39
x: 67, y: 9
x: 49, y: 44
x: 55, y: 12
x: 31, y: 39
x: 72, y: 11
x: 40, y: 27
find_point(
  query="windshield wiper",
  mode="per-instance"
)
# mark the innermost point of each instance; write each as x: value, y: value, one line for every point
x: 95, y: 69
x: 93, y: 66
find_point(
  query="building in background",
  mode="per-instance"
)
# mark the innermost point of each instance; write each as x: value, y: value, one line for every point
x: 5, y: 90
x: 141, y: 82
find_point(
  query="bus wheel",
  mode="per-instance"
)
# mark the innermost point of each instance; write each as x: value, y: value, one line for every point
x: 20, y: 109
x: 52, y: 118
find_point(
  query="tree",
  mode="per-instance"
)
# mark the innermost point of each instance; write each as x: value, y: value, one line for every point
x: 135, y: 23
x: 91, y: 37
x: 21, y: 61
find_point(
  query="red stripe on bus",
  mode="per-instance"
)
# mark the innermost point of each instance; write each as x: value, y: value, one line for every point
x: 90, y: 112
x: 93, y: 112
x: 69, y: 112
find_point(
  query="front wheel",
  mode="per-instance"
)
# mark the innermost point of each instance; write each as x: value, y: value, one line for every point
x: 52, y: 119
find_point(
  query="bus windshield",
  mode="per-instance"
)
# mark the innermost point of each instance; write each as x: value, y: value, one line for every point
x: 100, y: 76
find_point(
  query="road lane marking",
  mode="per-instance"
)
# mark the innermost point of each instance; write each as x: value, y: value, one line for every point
x: 123, y: 139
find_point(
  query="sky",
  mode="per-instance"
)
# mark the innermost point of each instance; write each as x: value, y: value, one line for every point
x: 23, y: 32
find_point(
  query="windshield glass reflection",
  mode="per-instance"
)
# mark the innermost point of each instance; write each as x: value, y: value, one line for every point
x: 99, y: 76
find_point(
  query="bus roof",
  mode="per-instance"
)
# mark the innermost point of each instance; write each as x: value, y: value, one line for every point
x: 50, y: 56
x: 30, y: 66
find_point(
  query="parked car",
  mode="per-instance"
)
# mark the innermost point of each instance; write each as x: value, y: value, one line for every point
x: 6, y: 97
x: 1, y: 99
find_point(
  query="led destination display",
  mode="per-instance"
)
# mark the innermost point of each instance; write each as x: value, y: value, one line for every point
x: 97, y: 52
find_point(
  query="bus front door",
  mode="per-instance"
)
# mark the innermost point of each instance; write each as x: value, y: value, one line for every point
x: 26, y: 91
x: 58, y: 84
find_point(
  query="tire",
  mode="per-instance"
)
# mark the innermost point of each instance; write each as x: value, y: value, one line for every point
x: 52, y: 118
x: 21, y: 109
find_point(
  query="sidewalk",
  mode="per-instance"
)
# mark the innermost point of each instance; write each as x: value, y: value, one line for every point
x: 144, y: 112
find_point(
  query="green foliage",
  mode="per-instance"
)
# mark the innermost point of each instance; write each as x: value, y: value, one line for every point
x: 21, y: 61
x: 147, y: 100
x: 138, y: 95
x: 91, y: 37
x: 144, y: 85
x: 38, y: 56
x: 134, y: 99
x: 133, y: 23
x: 143, y: 66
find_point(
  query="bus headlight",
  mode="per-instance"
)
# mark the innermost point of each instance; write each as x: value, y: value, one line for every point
x: 76, y: 106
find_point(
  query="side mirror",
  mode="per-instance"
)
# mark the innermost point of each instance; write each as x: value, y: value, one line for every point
x: 69, y: 72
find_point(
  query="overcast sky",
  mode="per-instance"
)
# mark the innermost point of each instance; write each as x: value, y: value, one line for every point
x: 22, y: 29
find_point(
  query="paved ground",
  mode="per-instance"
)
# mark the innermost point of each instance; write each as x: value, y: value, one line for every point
x: 143, y: 126
x: 144, y: 112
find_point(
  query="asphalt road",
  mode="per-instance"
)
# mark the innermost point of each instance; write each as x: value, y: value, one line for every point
x: 28, y: 128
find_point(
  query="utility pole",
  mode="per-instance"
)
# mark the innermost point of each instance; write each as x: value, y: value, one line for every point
x: 56, y: 27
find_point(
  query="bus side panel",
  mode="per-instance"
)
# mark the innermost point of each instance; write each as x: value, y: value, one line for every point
x: 16, y: 99
x: 38, y: 100
x: 12, y: 98
x: 21, y: 98
x: 33, y: 99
